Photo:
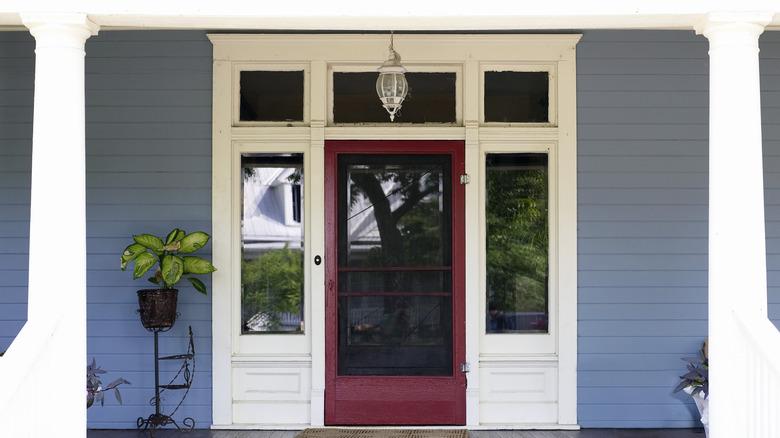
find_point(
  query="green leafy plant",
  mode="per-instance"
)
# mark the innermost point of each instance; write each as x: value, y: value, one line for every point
x: 95, y: 389
x: 148, y: 251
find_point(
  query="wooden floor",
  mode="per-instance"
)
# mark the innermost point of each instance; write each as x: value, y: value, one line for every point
x: 584, y: 433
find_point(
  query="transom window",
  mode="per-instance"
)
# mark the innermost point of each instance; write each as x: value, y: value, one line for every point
x: 431, y: 98
x: 271, y: 96
x: 509, y: 95
x: 517, y: 96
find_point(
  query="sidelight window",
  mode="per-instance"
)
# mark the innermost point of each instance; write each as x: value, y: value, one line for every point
x: 517, y: 243
x: 272, y: 243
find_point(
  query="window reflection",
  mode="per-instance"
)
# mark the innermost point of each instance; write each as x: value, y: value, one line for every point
x: 517, y: 243
x: 398, y: 320
x: 271, y: 244
x: 395, y: 273
x: 395, y: 214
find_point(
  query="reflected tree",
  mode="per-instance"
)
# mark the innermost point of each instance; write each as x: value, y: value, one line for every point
x: 414, y: 218
x: 406, y: 208
x: 271, y: 287
x: 517, y: 239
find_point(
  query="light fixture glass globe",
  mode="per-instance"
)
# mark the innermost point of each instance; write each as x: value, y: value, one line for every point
x: 391, y: 86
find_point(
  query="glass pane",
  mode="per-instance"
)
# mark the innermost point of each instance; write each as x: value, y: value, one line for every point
x: 517, y: 243
x: 271, y: 96
x: 516, y: 96
x: 367, y: 280
x: 272, y: 244
x: 394, y: 320
x: 395, y: 274
x: 397, y: 336
x: 431, y: 99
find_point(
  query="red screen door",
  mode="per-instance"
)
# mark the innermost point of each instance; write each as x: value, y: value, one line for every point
x: 394, y: 273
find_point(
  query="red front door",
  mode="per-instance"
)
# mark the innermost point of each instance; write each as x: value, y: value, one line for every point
x: 394, y: 272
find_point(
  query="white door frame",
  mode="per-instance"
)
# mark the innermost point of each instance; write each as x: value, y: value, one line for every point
x: 277, y: 381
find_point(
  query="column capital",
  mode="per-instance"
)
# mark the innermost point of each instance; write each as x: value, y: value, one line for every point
x: 748, y: 21
x: 77, y: 24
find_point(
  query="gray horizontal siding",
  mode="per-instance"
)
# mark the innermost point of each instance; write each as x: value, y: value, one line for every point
x: 642, y: 193
x: 17, y: 66
x: 770, y: 113
x: 148, y: 110
x: 148, y: 113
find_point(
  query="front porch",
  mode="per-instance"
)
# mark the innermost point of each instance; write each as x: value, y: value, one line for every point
x: 647, y: 281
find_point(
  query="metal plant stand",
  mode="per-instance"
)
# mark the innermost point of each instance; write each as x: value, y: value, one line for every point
x: 158, y: 419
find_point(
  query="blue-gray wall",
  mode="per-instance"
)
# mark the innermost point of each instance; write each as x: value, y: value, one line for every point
x: 642, y: 111
x: 770, y: 112
x: 642, y: 192
x: 17, y: 66
x: 148, y: 112
x: 642, y: 185
x: 148, y: 98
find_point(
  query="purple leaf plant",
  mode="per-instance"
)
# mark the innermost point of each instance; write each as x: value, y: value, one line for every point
x: 95, y: 390
x: 697, y: 376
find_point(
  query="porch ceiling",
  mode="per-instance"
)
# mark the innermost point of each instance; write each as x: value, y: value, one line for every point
x: 407, y: 15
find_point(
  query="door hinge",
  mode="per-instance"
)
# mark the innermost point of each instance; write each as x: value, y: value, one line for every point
x: 465, y: 367
x: 465, y: 178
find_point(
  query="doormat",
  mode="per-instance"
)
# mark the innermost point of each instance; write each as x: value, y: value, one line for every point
x: 383, y: 433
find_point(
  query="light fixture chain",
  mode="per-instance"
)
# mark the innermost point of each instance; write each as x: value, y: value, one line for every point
x: 391, y: 84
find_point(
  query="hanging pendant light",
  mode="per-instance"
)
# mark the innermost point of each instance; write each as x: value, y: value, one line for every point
x: 391, y: 84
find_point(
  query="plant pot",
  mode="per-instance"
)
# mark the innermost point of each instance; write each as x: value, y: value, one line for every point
x: 703, y: 405
x: 157, y: 307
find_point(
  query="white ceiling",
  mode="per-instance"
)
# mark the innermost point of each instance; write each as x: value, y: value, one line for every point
x: 405, y: 15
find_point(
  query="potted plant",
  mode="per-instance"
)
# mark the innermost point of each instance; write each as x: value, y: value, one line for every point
x: 158, y: 306
x: 696, y: 384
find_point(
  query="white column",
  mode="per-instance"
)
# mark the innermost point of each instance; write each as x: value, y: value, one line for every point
x: 57, y: 272
x: 737, y: 251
